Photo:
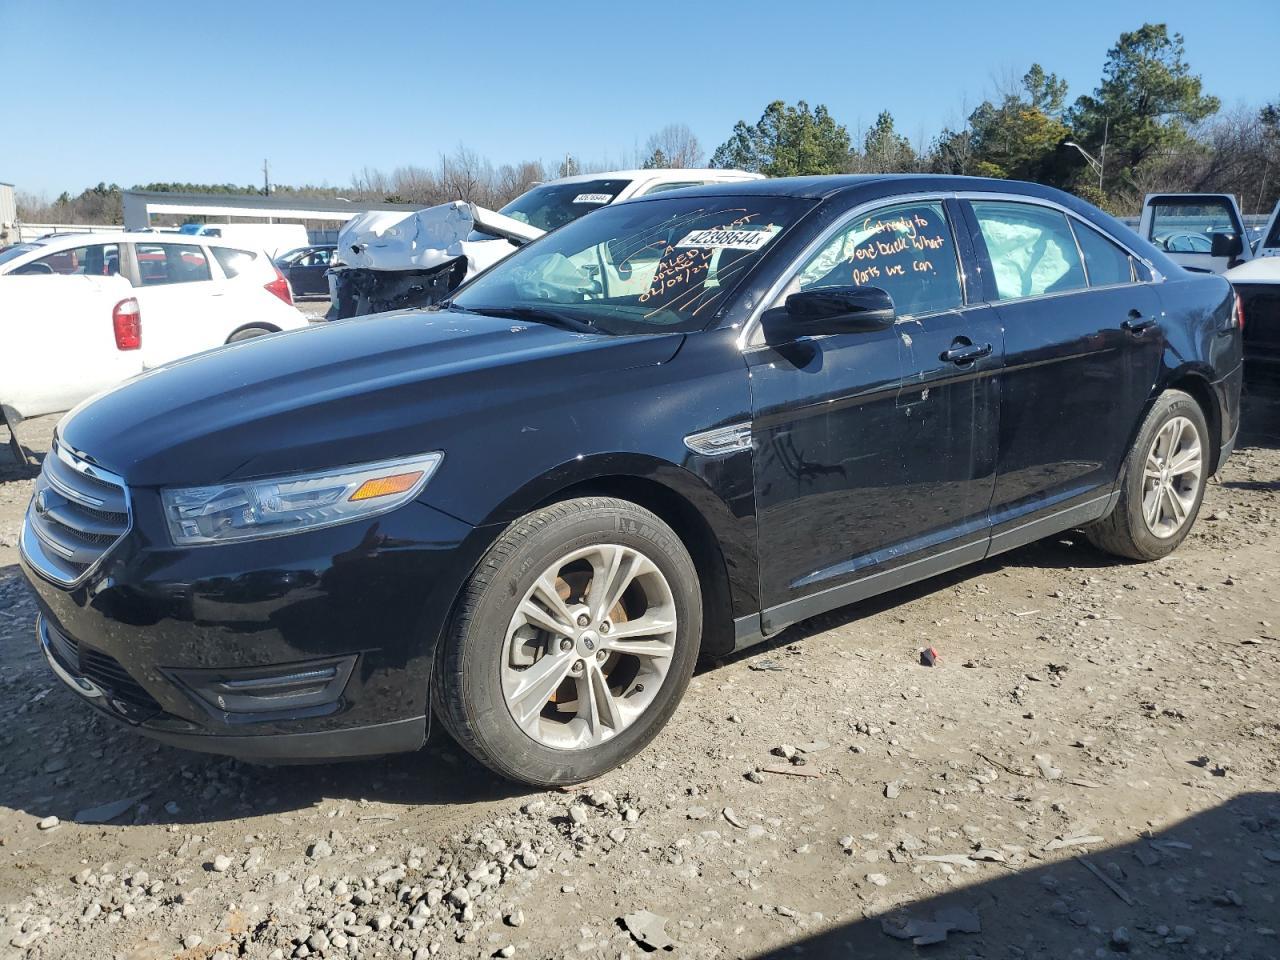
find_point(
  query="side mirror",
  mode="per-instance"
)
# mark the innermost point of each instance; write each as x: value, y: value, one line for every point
x: 1227, y: 245
x: 839, y: 310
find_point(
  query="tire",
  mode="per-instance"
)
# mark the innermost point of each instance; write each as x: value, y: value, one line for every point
x: 482, y: 665
x: 1126, y: 531
x: 248, y: 333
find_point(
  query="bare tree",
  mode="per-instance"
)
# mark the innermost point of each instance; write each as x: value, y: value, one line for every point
x: 677, y: 145
x: 511, y: 181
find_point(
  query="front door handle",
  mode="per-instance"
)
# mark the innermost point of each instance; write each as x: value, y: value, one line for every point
x: 1137, y: 323
x: 966, y: 353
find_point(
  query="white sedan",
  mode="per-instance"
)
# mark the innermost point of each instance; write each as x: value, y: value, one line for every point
x: 81, y: 312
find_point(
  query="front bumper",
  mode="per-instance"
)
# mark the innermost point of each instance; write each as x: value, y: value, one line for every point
x: 368, y: 600
x: 392, y: 737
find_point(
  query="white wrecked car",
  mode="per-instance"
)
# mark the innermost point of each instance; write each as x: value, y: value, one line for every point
x: 390, y: 260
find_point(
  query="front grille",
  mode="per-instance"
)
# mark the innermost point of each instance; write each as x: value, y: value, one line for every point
x: 78, y: 512
x: 106, y: 672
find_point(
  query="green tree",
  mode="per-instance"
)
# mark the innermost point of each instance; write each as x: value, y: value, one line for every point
x: 1147, y: 101
x: 1045, y: 91
x: 952, y: 152
x: 1019, y: 138
x: 657, y: 160
x: 786, y: 142
x: 884, y: 150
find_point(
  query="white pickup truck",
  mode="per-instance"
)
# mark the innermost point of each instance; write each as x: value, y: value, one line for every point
x: 1206, y: 232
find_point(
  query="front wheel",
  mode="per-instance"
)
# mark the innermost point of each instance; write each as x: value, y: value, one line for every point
x: 1163, y: 485
x: 572, y: 643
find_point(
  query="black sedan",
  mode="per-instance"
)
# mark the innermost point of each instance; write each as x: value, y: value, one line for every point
x: 668, y: 429
x: 305, y: 269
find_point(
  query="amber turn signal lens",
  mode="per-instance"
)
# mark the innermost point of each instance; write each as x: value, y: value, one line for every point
x: 382, y: 486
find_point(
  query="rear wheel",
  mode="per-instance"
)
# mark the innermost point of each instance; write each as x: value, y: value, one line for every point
x: 248, y: 333
x: 1163, y: 485
x: 573, y: 642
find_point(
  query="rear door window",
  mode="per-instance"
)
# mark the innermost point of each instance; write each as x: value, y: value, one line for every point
x: 1032, y: 249
x: 162, y: 263
x: 907, y: 250
x: 1107, y: 263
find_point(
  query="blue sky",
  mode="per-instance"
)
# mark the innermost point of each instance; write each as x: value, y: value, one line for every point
x: 139, y: 92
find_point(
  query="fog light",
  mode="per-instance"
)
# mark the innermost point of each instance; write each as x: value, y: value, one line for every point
x: 276, y: 689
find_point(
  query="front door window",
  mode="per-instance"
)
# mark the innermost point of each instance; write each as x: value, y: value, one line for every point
x: 907, y: 250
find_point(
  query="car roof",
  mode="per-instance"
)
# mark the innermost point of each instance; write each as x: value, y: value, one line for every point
x: 659, y: 173
x: 825, y: 187
x: 69, y: 241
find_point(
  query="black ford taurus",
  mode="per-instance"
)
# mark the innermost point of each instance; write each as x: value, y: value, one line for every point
x: 670, y: 428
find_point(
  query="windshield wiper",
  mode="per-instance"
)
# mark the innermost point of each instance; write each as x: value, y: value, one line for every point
x: 551, y: 318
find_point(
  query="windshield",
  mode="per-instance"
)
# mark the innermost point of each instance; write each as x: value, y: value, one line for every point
x: 652, y: 266
x: 12, y: 253
x: 555, y: 204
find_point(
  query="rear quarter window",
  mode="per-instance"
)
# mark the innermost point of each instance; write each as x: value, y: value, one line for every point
x: 1106, y: 263
x: 233, y: 262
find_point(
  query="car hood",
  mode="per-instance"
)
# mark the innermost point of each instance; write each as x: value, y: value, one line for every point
x: 355, y: 391
x: 1257, y: 270
x: 424, y: 239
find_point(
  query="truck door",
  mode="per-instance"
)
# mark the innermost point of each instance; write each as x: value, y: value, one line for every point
x: 1201, y: 231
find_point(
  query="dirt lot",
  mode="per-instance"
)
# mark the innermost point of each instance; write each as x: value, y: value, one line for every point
x: 1092, y: 768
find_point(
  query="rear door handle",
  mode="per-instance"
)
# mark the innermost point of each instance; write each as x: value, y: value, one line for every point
x: 966, y: 353
x: 1137, y: 323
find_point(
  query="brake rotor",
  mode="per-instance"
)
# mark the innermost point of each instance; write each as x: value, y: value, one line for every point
x: 564, y: 699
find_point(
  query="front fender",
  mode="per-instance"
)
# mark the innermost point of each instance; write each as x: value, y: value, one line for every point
x: 705, y: 498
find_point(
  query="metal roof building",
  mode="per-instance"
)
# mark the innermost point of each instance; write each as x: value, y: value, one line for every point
x: 140, y: 205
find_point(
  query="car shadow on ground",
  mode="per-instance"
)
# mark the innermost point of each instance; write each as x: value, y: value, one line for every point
x: 1070, y: 550
x: 13, y: 469
x: 1260, y: 421
x: 1065, y: 551
x: 59, y: 756
x: 80, y: 779
x: 1201, y: 886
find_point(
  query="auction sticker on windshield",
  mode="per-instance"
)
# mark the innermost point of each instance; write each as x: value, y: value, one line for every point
x: 716, y: 239
x: 593, y: 198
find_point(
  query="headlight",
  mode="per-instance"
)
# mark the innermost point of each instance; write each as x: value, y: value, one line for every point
x: 256, y: 509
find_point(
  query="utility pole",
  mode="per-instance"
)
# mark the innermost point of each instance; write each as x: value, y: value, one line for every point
x: 1102, y: 154
x: 266, y: 185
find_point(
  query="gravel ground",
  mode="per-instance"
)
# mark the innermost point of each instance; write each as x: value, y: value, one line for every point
x: 314, y: 309
x: 1091, y: 769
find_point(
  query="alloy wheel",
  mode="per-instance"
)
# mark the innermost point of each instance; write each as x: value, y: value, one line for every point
x: 588, y: 646
x: 1171, y: 477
